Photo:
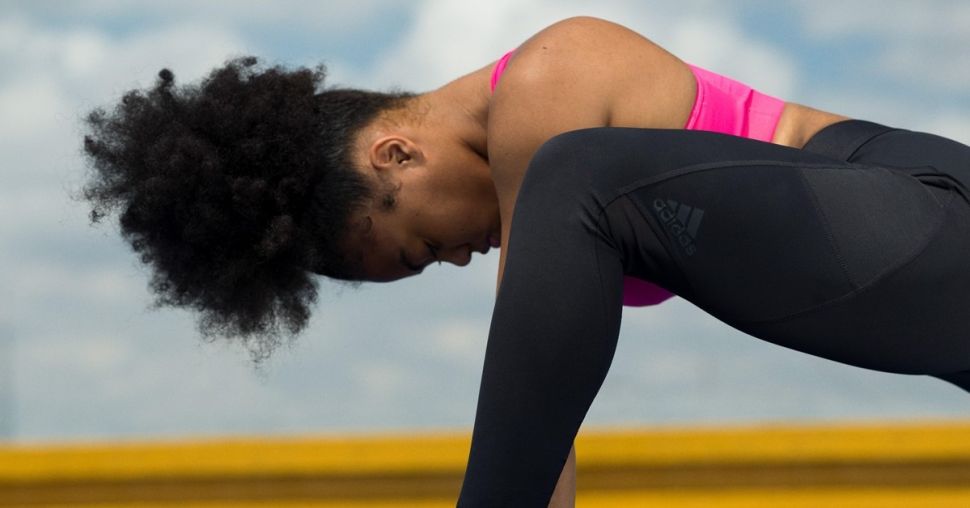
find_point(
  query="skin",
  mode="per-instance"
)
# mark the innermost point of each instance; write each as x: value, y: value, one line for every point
x: 459, y: 153
x: 446, y: 207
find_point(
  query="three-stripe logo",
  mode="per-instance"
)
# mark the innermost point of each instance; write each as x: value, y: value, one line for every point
x: 681, y: 221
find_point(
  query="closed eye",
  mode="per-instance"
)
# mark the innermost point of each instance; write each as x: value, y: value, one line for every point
x: 407, y: 264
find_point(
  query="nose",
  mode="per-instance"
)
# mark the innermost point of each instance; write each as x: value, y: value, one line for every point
x: 461, y: 255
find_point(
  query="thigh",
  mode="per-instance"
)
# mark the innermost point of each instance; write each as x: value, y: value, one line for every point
x: 909, y: 319
x: 857, y: 263
x: 919, y: 311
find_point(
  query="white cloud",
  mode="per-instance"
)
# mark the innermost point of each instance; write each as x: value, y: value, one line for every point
x: 62, y: 313
x: 953, y: 126
x: 922, y: 43
x: 91, y: 355
x: 35, y: 282
x: 31, y: 104
x: 928, y: 62
x: 340, y: 17
x: 51, y: 79
x: 701, y: 32
x: 897, y: 18
x: 459, y: 341
x: 382, y: 380
x: 720, y: 46
x: 88, y: 65
x: 449, y: 38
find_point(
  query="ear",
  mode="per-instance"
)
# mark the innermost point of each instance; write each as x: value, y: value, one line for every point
x: 395, y: 152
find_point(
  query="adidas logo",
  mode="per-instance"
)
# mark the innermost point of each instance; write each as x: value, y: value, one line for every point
x: 680, y: 220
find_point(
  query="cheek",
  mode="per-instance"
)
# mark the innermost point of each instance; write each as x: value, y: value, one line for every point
x: 382, y: 248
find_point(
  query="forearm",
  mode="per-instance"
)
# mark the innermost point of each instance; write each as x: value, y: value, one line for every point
x: 565, y: 493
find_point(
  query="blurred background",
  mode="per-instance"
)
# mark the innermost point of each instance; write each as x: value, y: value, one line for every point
x: 82, y: 357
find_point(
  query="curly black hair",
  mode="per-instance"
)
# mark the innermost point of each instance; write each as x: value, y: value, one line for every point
x: 236, y: 190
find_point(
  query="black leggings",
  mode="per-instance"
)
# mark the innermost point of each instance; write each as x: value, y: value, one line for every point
x: 855, y: 249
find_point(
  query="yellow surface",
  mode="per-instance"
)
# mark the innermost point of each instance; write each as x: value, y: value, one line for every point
x: 780, y: 443
x: 911, y: 464
x: 883, y: 498
x: 733, y: 499
x: 446, y: 451
x: 236, y: 456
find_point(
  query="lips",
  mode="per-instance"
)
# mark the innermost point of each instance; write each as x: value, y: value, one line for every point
x: 486, y: 245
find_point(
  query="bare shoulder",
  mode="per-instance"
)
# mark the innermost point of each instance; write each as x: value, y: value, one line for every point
x: 577, y: 73
x: 578, y: 38
x: 582, y: 54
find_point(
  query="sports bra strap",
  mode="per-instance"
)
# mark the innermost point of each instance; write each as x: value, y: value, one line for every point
x: 500, y: 68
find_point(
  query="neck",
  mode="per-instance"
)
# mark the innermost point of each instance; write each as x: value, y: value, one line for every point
x: 460, y: 108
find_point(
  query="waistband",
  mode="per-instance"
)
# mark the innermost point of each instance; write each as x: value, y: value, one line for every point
x: 842, y: 139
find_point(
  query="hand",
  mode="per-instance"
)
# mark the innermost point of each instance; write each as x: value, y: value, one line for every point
x: 565, y: 494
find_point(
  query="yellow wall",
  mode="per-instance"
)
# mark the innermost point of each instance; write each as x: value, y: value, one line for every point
x: 901, y: 464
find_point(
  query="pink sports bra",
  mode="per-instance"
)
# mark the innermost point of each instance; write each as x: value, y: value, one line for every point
x: 721, y: 105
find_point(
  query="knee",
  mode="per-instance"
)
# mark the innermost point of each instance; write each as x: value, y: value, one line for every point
x: 558, y: 179
x: 567, y: 146
x: 565, y: 158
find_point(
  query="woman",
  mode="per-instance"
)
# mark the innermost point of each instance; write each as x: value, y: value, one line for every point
x: 836, y: 237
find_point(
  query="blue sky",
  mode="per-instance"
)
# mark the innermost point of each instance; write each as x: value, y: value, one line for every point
x: 82, y: 356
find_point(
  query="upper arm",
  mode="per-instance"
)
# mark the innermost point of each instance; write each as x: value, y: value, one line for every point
x: 569, y: 76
